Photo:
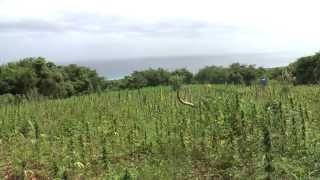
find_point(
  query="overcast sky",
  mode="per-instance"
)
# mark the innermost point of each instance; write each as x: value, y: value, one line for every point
x: 70, y: 30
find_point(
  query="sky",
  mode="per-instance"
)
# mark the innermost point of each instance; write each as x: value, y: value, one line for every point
x: 68, y: 31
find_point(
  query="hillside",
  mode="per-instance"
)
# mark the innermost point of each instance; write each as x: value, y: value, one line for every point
x: 233, y: 131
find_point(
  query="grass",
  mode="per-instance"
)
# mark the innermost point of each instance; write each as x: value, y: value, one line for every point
x: 234, y: 132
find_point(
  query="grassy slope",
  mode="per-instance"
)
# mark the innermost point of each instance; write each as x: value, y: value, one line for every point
x: 148, y: 134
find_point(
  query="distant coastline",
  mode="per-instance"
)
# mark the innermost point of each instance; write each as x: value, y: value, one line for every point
x: 118, y: 68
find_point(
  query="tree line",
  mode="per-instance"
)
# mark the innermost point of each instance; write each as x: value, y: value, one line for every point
x: 36, y: 77
x: 234, y: 74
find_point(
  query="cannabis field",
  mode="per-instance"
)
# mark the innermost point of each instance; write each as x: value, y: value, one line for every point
x: 232, y: 132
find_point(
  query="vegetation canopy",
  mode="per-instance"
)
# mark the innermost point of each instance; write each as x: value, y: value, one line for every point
x: 231, y: 129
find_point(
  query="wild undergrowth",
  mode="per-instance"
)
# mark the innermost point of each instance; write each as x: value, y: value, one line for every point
x: 233, y: 132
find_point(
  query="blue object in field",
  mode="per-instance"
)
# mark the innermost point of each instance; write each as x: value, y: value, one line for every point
x: 264, y: 81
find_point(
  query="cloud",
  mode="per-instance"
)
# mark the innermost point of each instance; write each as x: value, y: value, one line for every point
x: 93, y: 23
x: 29, y: 25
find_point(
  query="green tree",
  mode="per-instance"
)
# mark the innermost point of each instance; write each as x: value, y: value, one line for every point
x: 136, y: 80
x: 212, y: 74
x: 306, y: 69
x: 187, y: 76
x: 36, y: 75
x: 235, y: 76
x: 249, y: 74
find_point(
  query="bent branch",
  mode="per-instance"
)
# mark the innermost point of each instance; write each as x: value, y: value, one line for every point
x: 183, y: 101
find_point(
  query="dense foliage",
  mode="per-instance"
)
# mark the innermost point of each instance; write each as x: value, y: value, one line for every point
x: 306, y: 70
x: 38, y: 77
x: 230, y: 132
x: 277, y: 73
x: 32, y: 78
x: 234, y: 74
x: 233, y: 132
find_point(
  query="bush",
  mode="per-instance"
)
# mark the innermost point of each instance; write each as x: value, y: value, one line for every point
x: 44, y: 78
x: 6, y: 99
